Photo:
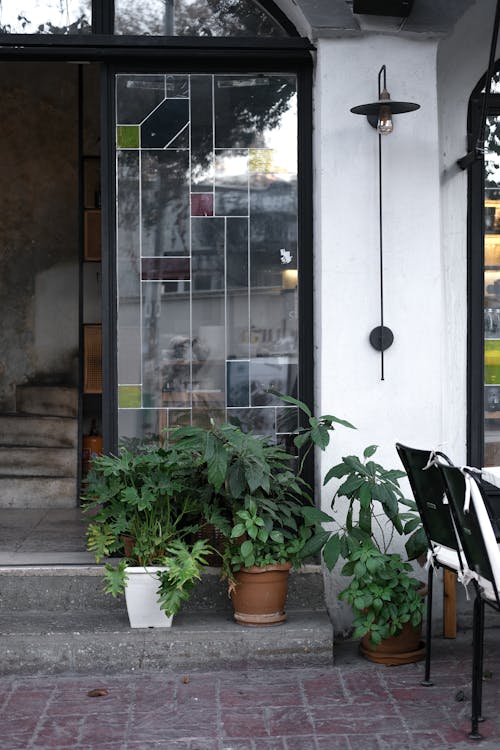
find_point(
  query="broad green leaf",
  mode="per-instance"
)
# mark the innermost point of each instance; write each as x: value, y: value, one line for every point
x: 336, y: 472
x: 416, y: 544
x: 246, y: 548
x: 276, y: 536
x: 314, y: 544
x: 365, y: 495
x: 411, y: 525
x: 331, y: 551
x: 365, y: 519
x: 291, y: 400
x: 328, y: 418
x: 369, y: 451
x: 320, y: 436
x: 217, y: 466
x: 316, y: 515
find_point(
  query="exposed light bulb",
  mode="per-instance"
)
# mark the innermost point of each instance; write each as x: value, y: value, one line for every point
x: 384, y: 125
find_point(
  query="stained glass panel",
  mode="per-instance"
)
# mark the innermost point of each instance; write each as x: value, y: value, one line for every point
x: 195, y: 18
x: 45, y: 17
x: 207, y: 251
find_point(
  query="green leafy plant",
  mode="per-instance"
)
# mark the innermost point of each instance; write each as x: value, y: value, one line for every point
x: 258, y: 492
x: 154, y: 495
x: 183, y: 565
x: 383, y: 591
x: 151, y: 495
x: 262, y: 493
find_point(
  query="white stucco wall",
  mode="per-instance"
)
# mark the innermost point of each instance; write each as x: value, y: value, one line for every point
x: 423, y: 399
x: 408, y: 405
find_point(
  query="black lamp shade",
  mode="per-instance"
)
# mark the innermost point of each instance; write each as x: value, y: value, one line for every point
x: 397, y: 108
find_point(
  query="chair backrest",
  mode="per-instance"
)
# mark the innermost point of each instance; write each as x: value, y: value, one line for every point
x: 429, y: 492
x: 474, y: 527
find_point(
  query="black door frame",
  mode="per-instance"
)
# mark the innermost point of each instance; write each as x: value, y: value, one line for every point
x: 475, y: 279
x: 132, y: 54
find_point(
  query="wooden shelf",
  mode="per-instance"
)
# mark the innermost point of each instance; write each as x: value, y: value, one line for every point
x: 92, y: 234
x: 92, y: 358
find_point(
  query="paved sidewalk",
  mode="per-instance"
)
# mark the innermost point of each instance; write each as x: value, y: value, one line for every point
x: 353, y: 705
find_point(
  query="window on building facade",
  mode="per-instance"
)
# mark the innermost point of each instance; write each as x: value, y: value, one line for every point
x: 202, y: 210
x: 45, y: 16
x: 194, y: 18
x: 484, y: 283
x: 207, y: 250
x: 492, y: 292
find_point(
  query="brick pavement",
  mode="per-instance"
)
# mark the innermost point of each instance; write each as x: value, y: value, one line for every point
x: 353, y: 705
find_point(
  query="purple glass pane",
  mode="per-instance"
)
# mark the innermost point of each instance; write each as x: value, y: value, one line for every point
x: 202, y: 204
x: 165, y: 269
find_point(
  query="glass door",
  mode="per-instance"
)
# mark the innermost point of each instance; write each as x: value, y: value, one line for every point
x: 492, y: 293
x: 207, y: 251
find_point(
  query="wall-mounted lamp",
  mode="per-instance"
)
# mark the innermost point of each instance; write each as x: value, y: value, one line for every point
x: 379, y: 115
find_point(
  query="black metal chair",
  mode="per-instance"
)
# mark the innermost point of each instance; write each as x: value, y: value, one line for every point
x: 428, y: 490
x: 469, y: 505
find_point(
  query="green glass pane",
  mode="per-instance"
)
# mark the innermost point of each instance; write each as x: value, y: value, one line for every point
x: 129, y: 396
x: 492, y: 361
x: 127, y: 136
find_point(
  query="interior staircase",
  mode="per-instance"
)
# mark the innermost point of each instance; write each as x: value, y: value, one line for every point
x: 38, y: 449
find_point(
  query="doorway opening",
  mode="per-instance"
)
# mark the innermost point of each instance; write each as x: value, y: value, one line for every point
x: 50, y: 393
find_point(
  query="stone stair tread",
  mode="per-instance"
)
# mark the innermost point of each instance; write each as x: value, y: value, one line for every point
x: 30, y: 415
x: 47, y: 399
x: 78, y: 642
x: 17, y: 491
x: 39, y: 622
x: 80, y: 589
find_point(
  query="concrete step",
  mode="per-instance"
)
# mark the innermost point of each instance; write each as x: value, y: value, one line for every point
x: 86, y: 643
x: 38, y: 462
x: 55, y: 401
x: 36, y: 492
x: 70, y: 588
x: 38, y: 431
x: 58, y: 620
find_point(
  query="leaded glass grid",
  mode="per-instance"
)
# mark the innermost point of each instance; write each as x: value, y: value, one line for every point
x: 208, y: 18
x: 207, y: 256
x: 45, y: 16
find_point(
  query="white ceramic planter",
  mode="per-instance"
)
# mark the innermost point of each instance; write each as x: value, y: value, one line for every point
x: 142, y: 599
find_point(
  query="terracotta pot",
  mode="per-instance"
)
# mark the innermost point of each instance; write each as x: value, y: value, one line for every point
x: 259, y: 595
x: 128, y: 544
x: 404, y: 648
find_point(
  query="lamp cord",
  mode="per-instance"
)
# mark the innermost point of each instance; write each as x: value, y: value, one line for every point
x: 381, y: 255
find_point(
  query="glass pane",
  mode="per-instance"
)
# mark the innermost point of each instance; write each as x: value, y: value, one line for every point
x: 195, y: 18
x: 492, y: 294
x: 207, y: 251
x: 45, y: 17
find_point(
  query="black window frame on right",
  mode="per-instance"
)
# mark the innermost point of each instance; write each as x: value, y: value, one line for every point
x: 479, y: 414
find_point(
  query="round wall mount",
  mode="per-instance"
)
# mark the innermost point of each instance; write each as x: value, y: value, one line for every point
x: 381, y: 338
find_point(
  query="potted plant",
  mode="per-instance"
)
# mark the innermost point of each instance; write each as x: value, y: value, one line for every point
x: 258, y: 503
x: 386, y: 598
x: 144, y: 505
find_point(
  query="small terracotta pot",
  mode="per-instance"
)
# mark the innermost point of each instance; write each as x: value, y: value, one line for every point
x: 259, y: 595
x: 128, y: 544
x: 404, y: 648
